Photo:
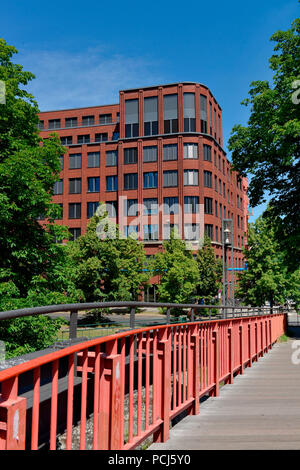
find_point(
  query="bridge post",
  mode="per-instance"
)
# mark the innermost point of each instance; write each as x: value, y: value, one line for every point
x: 241, y: 349
x: 12, y: 417
x: 163, y: 383
x: 230, y: 340
x: 215, y: 358
x: 194, y: 387
x: 110, y: 409
x: 250, y: 342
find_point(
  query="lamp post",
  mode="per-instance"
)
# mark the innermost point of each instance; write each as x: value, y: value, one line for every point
x: 227, y: 242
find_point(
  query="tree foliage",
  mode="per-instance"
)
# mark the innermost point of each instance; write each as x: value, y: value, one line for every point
x: 267, y: 278
x: 107, y: 268
x: 177, y: 270
x: 210, y: 272
x: 268, y: 148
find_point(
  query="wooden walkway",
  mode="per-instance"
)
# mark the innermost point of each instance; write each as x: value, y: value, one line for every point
x: 260, y: 410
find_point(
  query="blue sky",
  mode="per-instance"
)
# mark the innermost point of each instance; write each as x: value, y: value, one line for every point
x: 83, y: 53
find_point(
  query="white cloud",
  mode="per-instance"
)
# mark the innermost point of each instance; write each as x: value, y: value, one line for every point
x: 66, y: 80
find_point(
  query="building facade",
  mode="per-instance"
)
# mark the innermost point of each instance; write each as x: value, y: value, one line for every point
x: 156, y: 158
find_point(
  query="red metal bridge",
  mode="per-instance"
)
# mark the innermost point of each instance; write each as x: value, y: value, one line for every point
x: 115, y: 392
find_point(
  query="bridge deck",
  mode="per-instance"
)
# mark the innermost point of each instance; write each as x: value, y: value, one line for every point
x: 260, y: 410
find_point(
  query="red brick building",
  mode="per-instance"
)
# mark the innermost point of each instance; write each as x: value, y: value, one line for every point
x: 160, y: 147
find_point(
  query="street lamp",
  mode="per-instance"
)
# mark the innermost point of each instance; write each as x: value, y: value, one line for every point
x: 227, y: 242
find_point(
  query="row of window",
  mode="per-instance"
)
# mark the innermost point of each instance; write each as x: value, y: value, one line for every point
x: 170, y: 116
x: 86, y: 138
x: 74, y: 121
x: 150, y: 181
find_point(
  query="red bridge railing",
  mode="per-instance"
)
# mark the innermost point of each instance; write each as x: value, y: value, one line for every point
x: 119, y: 390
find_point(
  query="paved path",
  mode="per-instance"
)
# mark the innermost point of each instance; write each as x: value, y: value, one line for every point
x: 260, y: 410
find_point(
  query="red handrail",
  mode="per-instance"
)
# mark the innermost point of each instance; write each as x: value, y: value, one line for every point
x: 141, y: 380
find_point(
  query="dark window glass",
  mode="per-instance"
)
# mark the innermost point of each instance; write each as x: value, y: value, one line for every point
x: 111, y: 158
x: 91, y: 208
x: 75, y: 233
x: 66, y: 140
x: 208, y: 230
x: 74, y: 185
x: 75, y: 210
x: 103, y: 137
x: 71, y: 122
x: 83, y: 139
x: 150, y: 154
x: 170, y: 178
x: 191, y: 204
x: 130, y: 155
x: 130, y: 181
x: 131, y: 207
x: 105, y: 118
x: 88, y: 120
x: 54, y: 124
x: 207, y: 179
x: 207, y: 153
x: 150, y: 180
x: 93, y: 184
x: 171, y: 205
x: 112, y: 183
x: 93, y: 160
x: 208, y: 205
x: 151, y: 232
x: 74, y: 161
x: 150, y: 206
x: 170, y: 152
x: 58, y: 187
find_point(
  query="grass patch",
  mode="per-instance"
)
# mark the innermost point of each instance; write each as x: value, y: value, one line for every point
x: 283, y: 338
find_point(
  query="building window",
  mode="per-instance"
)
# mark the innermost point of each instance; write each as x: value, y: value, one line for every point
x: 216, y: 183
x: 75, y: 233
x: 151, y: 232
x: 208, y: 205
x: 112, y: 208
x: 171, y: 205
x: 112, y: 183
x: 93, y: 184
x: 150, y: 180
x: 91, y: 209
x: 216, y: 209
x: 83, y: 139
x: 105, y: 119
x: 150, y: 116
x: 170, y: 178
x: 54, y: 124
x: 190, y: 151
x: 131, y: 118
x: 74, y: 161
x: 75, y: 210
x: 111, y: 158
x: 215, y: 158
x: 93, y: 160
x: 88, y: 120
x: 131, y: 207
x: 41, y: 125
x: 217, y: 234
x: 208, y: 230
x: 130, y: 155
x: 61, y: 159
x: 210, y: 118
x: 150, y: 206
x: 130, y: 181
x: 103, y: 137
x: 75, y: 186
x: 150, y: 154
x: 131, y: 230
x: 58, y: 187
x: 71, y: 122
x: 191, y: 204
x: 191, y: 177
x: 170, y: 114
x: 189, y: 112
x: 191, y: 231
x: 66, y: 140
x: 116, y: 135
x: 203, y: 113
x: 207, y: 179
x: 168, y: 228
x: 170, y: 152
x: 207, y: 153
x: 215, y: 123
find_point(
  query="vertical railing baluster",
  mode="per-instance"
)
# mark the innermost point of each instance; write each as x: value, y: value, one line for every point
x: 35, y: 408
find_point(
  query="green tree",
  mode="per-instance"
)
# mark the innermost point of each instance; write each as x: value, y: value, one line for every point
x: 268, y: 148
x: 210, y: 272
x: 107, y: 267
x: 33, y: 267
x: 178, y: 272
x: 266, y: 278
